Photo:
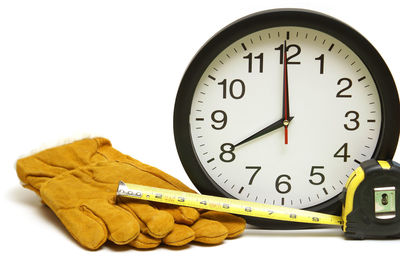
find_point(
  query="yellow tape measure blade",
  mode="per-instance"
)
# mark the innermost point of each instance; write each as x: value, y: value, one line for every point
x: 233, y: 206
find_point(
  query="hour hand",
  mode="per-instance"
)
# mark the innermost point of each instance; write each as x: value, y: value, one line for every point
x: 278, y: 124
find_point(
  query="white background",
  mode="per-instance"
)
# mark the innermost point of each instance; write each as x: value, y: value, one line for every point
x: 70, y: 69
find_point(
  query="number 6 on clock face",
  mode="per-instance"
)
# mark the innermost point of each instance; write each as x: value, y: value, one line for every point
x: 281, y: 106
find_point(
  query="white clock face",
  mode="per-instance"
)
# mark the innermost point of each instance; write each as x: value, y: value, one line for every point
x: 332, y: 109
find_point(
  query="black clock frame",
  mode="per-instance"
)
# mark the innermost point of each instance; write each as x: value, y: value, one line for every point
x: 389, y: 98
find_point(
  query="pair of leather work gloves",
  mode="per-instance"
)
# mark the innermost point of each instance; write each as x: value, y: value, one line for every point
x: 78, y: 181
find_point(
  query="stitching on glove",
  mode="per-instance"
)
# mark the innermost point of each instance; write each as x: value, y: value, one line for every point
x: 233, y: 235
x: 91, y: 215
x: 146, y: 229
x: 52, y: 165
x: 132, y: 164
x: 185, y: 217
x: 156, y: 175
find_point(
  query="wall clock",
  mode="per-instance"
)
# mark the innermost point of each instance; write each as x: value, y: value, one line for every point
x: 280, y: 107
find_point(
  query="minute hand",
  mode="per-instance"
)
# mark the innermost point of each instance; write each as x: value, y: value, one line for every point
x: 268, y: 129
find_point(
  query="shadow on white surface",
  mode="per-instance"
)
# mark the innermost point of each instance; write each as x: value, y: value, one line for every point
x: 28, y: 198
x: 315, y: 232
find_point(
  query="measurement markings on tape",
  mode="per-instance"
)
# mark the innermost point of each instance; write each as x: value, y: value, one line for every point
x: 234, y: 206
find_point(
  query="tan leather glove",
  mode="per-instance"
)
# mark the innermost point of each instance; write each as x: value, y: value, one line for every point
x: 78, y: 181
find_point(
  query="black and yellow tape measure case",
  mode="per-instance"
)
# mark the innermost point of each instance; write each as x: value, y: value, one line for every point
x: 371, y: 199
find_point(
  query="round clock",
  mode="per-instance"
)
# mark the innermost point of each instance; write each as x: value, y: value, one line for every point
x: 280, y: 107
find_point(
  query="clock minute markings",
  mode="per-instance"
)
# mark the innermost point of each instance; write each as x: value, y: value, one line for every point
x: 360, y: 79
x: 325, y: 191
x: 242, y: 188
x: 210, y: 160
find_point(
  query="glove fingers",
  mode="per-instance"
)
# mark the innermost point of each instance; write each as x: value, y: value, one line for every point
x: 209, y: 231
x: 234, y: 224
x: 179, y: 236
x: 143, y: 241
x: 157, y: 223
x: 182, y: 215
x: 84, y: 227
x: 121, y: 225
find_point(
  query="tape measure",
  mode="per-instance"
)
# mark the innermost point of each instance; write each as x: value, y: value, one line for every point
x: 234, y: 206
x: 370, y: 203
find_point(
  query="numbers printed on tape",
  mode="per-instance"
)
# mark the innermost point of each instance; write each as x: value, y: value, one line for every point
x: 233, y: 206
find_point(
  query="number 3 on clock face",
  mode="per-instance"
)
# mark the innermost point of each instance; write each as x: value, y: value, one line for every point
x: 279, y: 108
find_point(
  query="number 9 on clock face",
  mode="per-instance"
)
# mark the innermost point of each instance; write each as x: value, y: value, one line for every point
x: 280, y: 108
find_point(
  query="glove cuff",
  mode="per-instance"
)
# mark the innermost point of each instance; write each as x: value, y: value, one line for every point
x: 38, y: 168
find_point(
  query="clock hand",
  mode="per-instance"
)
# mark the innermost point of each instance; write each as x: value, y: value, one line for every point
x: 286, y: 118
x: 278, y: 124
x: 285, y: 114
